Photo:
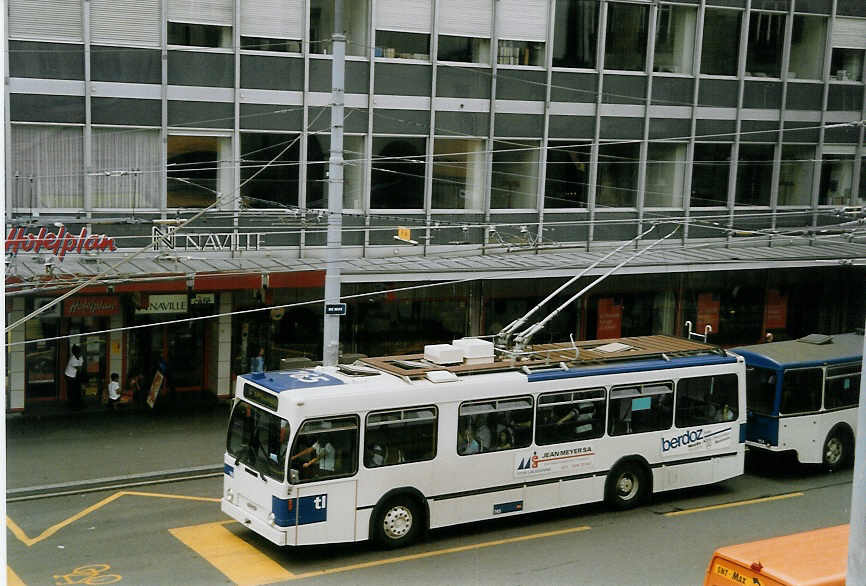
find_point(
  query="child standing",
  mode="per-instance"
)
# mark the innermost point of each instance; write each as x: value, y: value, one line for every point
x: 114, y: 391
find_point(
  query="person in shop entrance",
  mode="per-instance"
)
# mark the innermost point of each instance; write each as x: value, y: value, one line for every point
x: 257, y: 362
x: 114, y: 391
x: 72, y: 374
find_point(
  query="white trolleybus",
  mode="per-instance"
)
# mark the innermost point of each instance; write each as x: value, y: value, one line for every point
x: 389, y: 447
x: 803, y: 395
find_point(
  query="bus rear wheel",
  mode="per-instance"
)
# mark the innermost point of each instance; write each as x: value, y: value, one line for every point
x: 626, y: 486
x: 397, y: 523
x: 838, y: 450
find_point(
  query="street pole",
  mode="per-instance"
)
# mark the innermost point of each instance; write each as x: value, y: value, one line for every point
x: 331, y: 329
x: 857, y: 530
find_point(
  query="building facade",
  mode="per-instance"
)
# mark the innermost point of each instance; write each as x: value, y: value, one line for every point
x: 498, y: 129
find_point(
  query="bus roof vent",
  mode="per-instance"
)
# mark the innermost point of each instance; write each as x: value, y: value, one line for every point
x: 357, y: 370
x: 613, y: 347
x: 475, y: 351
x: 441, y: 376
x: 443, y: 354
x: 816, y: 339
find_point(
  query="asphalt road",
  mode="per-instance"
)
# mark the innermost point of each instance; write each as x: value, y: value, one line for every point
x: 174, y: 533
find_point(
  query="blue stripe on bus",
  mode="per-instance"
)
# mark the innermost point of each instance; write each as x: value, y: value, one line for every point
x: 631, y: 367
x: 284, y: 511
x: 228, y: 470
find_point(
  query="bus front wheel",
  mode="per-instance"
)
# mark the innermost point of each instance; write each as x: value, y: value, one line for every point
x: 626, y: 486
x: 397, y: 523
x: 838, y: 450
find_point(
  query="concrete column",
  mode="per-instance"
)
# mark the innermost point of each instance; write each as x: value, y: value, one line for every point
x: 115, y: 347
x: 15, y: 388
x: 223, y: 349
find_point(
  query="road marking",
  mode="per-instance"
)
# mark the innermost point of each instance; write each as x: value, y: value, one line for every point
x: 765, y: 499
x: 89, y: 574
x: 242, y: 563
x: 30, y: 541
x: 12, y: 578
x: 238, y: 560
x: 438, y: 552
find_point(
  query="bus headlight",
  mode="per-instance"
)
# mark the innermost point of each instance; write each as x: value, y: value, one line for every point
x: 230, y: 496
x: 271, y: 519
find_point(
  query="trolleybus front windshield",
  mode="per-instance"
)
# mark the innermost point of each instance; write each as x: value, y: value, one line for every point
x: 258, y: 439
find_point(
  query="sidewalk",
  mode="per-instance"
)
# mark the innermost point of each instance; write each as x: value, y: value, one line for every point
x: 54, y: 448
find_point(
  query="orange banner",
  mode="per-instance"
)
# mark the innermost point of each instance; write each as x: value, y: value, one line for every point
x: 708, y: 311
x: 776, y: 309
x: 609, y: 318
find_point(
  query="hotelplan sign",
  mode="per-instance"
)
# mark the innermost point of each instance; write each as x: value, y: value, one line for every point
x: 165, y: 239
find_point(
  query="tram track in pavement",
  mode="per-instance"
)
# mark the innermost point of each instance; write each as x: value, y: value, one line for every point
x: 31, y: 493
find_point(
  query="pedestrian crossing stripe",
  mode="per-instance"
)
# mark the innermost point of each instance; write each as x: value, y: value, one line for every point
x: 239, y: 561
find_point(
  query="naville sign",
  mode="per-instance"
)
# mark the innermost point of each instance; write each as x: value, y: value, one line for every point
x: 59, y: 243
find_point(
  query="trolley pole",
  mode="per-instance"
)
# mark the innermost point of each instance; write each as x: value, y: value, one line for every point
x: 331, y: 329
x: 857, y: 530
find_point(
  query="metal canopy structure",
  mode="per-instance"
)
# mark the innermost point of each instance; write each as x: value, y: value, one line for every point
x: 34, y: 270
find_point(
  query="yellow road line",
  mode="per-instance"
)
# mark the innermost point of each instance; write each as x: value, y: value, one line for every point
x: 238, y: 560
x: 207, y: 499
x: 765, y: 499
x: 29, y: 541
x: 438, y: 552
x: 17, y: 531
x: 12, y: 578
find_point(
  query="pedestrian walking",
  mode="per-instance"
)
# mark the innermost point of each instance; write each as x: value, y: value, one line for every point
x: 114, y: 391
x: 73, y: 378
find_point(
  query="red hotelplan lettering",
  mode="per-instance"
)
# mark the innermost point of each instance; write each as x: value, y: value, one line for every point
x: 59, y: 243
x: 88, y: 306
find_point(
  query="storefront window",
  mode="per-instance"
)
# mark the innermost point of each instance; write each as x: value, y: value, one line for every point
x: 458, y: 173
x: 566, y: 183
x: 837, y: 175
x: 575, y: 33
x: 764, y: 51
x: 269, y: 169
x: 795, y: 175
x: 514, y: 182
x: 675, y: 39
x: 397, y: 176
x: 754, y: 174
x: 626, y: 39
x: 43, y: 372
x: 617, y: 175
x: 198, y: 169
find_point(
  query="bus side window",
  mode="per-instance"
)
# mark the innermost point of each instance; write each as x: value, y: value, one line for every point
x: 494, y: 425
x: 706, y: 399
x: 400, y: 436
x: 640, y: 408
x: 801, y: 390
x: 842, y: 388
x: 570, y: 416
x: 326, y: 448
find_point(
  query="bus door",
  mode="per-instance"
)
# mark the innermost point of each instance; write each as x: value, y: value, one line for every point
x: 324, y: 465
x: 326, y: 512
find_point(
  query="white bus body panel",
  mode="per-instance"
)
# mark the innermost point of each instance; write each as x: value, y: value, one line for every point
x: 251, y: 500
x: 806, y: 434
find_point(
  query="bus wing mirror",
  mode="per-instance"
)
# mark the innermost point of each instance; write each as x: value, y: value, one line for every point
x: 294, y: 476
